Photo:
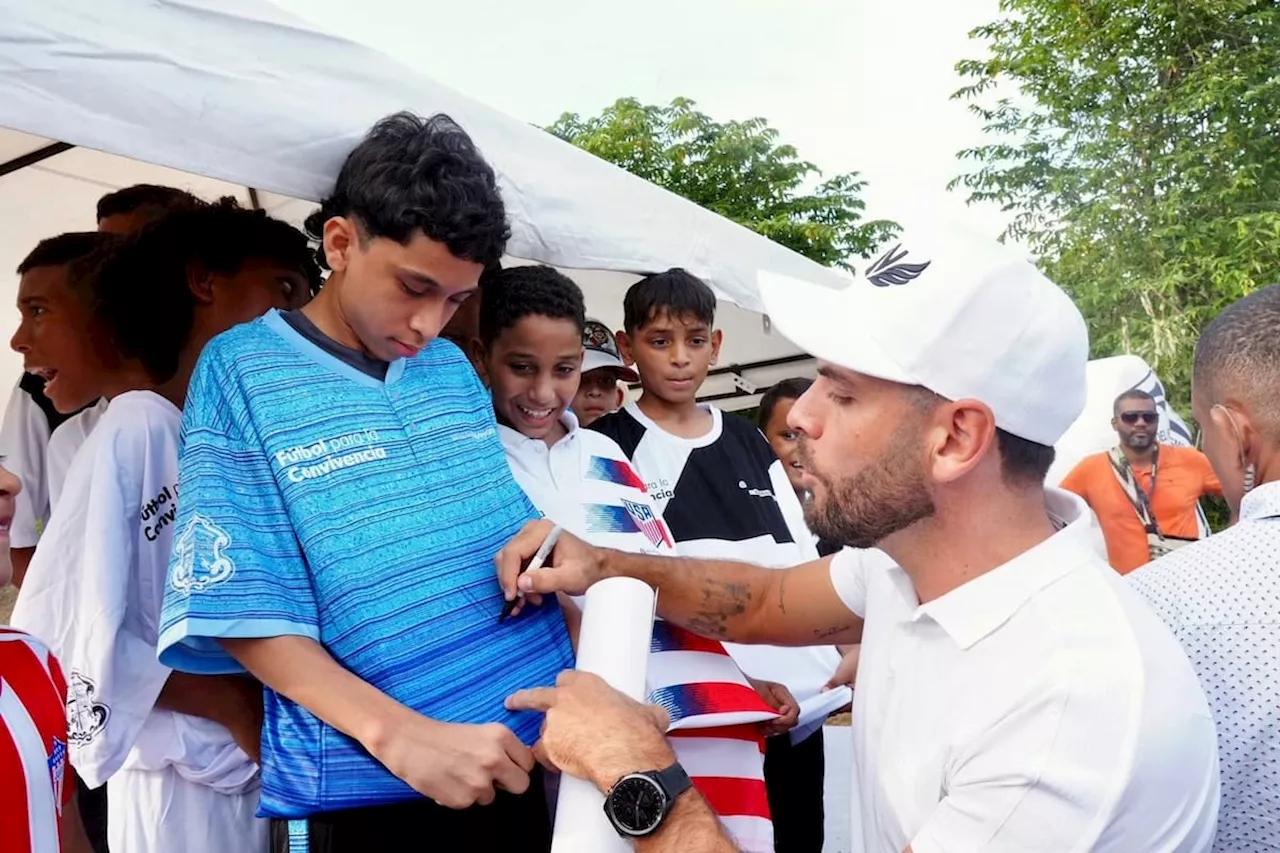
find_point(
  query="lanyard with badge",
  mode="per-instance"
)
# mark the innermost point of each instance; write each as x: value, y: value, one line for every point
x: 1158, y: 543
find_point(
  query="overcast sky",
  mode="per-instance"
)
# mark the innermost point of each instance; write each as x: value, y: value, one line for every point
x: 854, y: 84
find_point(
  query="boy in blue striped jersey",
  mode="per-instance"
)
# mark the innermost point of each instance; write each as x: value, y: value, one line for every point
x: 343, y: 492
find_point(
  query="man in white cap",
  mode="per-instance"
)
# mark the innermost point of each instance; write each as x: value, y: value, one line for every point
x: 1014, y: 694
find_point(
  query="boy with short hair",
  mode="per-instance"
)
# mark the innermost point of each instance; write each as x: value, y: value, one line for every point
x: 31, y: 420
x: 51, y: 337
x: 176, y: 750
x: 532, y: 338
x: 602, y: 369
x: 724, y: 494
x: 344, y: 492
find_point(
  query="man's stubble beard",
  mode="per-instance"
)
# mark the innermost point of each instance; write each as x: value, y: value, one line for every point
x: 883, y: 498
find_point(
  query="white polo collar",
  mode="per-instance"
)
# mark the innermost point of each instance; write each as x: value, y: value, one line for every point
x: 513, y: 441
x: 976, y: 609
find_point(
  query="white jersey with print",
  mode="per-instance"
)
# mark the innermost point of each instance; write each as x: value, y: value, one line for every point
x: 586, y: 485
x: 64, y: 444
x: 725, y: 496
x: 94, y: 593
x: 24, y: 441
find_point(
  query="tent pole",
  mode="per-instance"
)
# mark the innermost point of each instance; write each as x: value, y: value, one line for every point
x: 34, y: 157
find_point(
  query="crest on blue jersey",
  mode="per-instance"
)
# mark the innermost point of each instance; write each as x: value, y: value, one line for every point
x: 650, y: 525
x: 199, y: 559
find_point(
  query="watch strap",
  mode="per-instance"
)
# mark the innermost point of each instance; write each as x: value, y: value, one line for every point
x: 674, y: 781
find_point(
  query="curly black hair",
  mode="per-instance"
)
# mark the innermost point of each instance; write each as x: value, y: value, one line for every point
x: 413, y: 175
x: 142, y: 292
x: 786, y: 389
x: 150, y: 199
x: 676, y: 292
x: 507, y: 295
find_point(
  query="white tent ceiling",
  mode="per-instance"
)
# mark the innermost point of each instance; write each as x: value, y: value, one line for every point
x: 217, y: 96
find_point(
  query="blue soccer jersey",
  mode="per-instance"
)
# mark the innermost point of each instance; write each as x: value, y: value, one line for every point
x: 320, y: 502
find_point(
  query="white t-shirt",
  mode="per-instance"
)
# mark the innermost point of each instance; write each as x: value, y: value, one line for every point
x: 24, y: 440
x: 1039, y: 707
x: 65, y: 443
x: 94, y: 594
x: 725, y: 496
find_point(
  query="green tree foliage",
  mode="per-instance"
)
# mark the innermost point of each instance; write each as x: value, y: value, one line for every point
x: 738, y: 169
x: 1136, y: 147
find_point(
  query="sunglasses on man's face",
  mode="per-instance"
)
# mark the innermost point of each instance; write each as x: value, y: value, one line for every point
x: 1132, y: 418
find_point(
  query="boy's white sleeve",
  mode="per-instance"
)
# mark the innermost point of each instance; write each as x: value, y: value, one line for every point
x: 114, y: 677
x: 24, y: 440
x: 793, y: 512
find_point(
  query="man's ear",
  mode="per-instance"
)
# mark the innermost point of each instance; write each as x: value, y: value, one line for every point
x: 624, y: 347
x: 717, y: 338
x: 962, y: 435
x: 622, y: 396
x: 339, y: 238
x: 200, y: 283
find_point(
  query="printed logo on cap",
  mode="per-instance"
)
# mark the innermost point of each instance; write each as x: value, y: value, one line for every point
x: 887, y: 270
x: 596, y: 336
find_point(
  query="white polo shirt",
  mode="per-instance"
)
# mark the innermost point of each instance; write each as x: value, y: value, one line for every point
x: 1039, y: 707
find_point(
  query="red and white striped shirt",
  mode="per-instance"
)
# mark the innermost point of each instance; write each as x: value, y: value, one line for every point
x: 35, y: 779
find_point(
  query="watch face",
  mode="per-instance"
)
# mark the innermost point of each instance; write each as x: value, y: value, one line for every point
x: 636, y: 805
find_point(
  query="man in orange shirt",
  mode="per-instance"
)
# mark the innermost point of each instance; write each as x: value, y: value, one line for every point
x: 1144, y: 493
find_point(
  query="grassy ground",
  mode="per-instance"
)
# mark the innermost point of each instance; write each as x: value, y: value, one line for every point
x: 7, y: 595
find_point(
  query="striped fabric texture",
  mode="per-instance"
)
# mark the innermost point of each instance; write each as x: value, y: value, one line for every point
x: 35, y: 779
x: 320, y: 502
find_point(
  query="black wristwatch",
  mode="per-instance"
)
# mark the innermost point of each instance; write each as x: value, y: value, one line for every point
x: 638, y: 803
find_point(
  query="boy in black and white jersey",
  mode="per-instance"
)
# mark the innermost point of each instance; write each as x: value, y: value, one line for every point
x: 724, y: 495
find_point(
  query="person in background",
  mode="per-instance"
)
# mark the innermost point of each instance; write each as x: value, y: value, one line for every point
x: 1144, y: 493
x: 1221, y: 597
x: 602, y: 369
x: 1015, y: 695
x: 126, y: 212
x: 775, y: 406
x: 31, y: 419
x: 51, y: 338
x: 176, y: 751
x: 723, y: 493
x: 343, y: 490
x: 38, y: 810
x: 533, y: 329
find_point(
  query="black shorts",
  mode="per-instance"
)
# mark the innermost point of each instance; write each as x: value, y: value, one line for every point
x: 511, y: 824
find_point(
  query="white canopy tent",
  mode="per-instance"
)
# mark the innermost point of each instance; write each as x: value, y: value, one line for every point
x: 240, y: 97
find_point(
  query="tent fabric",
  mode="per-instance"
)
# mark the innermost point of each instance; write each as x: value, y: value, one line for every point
x: 217, y: 96
x: 242, y: 91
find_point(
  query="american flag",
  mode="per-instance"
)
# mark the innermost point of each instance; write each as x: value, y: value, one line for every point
x: 57, y: 769
x: 650, y: 525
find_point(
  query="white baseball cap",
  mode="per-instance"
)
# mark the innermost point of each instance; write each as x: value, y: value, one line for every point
x: 959, y: 314
x: 600, y: 349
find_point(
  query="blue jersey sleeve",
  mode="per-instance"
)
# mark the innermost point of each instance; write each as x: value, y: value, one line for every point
x: 237, y: 570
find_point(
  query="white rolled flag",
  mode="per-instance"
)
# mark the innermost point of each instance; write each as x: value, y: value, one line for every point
x: 617, y: 625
